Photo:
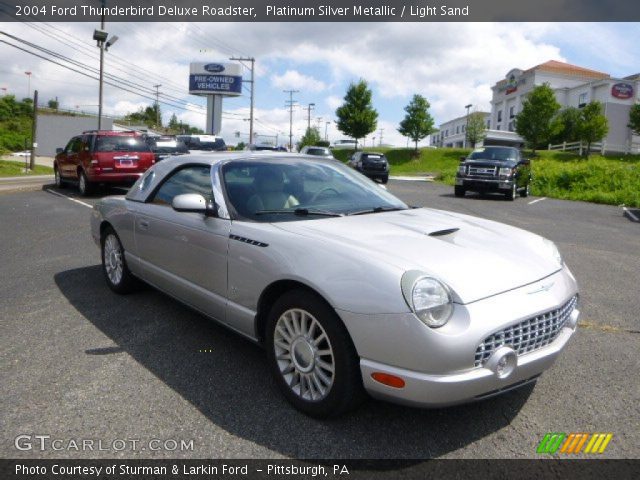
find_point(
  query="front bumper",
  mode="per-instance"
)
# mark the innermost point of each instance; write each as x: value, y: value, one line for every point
x: 485, y: 185
x: 437, y: 365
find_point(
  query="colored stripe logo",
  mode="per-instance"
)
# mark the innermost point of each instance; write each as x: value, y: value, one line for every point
x: 574, y: 443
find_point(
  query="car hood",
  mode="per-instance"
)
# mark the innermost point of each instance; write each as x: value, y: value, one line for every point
x: 476, y: 258
x: 488, y: 161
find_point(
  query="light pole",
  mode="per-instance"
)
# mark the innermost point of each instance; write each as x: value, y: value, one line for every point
x: 308, y: 109
x: 100, y: 36
x: 290, y: 103
x: 252, y: 81
x: 466, y: 128
x: 28, y: 74
x: 326, y: 136
x: 157, y: 87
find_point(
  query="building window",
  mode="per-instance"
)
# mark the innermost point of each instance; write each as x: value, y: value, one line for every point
x: 499, y: 115
x: 463, y: 128
x: 511, y: 126
x: 457, y: 128
x: 488, y: 124
x: 582, y: 100
x: 498, y: 127
x: 512, y: 112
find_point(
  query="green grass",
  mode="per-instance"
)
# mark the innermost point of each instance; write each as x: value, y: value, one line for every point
x: 612, y: 180
x: 15, y: 168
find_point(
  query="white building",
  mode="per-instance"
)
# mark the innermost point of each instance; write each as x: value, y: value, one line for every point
x: 453, y: 132
x: 574, y: 87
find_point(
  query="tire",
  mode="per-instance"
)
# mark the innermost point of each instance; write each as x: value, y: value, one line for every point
x: 526, y: 191
x: 60, y: 183
x: 459, y: 191
x: 301, y: 362
x: 384, y: 179
x: 114, y: 265
x: 84, y: 185
x: 512, y: 194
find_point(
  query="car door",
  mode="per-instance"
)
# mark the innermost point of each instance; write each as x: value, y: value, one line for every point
x: 68, y: 165
x: 184, y: 253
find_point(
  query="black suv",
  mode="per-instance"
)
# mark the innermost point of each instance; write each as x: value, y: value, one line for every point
x: 203, y: 142
x: 166, y: 146
x: 373, y: 165
x: 494, y: 169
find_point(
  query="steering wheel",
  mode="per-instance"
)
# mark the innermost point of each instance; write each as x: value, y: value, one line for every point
x: 323, y: 191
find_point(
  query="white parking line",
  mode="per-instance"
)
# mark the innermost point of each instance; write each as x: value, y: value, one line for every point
x: 633, y: 216
x: 537, y: 200
x: 69, y: 198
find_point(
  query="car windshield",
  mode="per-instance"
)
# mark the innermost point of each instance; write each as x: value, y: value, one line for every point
x: 318, y: 151
x: 494, y: 153
x: 121, y: 143
x: 280, y: 190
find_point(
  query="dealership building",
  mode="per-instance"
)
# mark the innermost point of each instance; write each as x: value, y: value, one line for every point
x: 574, y: 87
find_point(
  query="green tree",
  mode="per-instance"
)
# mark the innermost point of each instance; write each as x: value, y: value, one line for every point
x: 310, y: 137
x: 533, y: 123
x: 564, y: 126
x: 476, y: 129
x: 240, y: 146
x: 593, y: 125
x: 356, y: 116
x: 53, y: 104
x: 417, y: 122
x: 146, y: 116
x: 173, y: 122
x: 634, y: 119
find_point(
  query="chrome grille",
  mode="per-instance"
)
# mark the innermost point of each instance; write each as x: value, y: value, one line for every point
x: 483, y: 171
x: 529, y: 335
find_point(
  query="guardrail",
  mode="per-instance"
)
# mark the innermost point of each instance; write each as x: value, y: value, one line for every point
x: 602, y: 147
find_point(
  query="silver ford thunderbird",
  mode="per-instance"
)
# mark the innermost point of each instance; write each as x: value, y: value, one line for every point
x: 349, y: 289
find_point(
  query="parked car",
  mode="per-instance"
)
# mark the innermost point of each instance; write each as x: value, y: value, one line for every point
x: 494, y: 169
x: 323, y: 152
x: 348, y: 288
x: 203, y: 142
x: 340, y: 144
x: 262, y: 147
x: 102, y: 156
x: 165, y: 146
x: 373, y: 165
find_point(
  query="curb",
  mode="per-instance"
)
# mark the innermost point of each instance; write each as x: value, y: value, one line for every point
x: 406, y: 178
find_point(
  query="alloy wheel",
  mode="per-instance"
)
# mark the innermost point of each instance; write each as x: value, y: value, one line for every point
x: 304, y: 354
x: 113, y: 262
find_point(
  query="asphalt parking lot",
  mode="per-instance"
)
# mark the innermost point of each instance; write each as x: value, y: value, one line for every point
x: 79, y: 362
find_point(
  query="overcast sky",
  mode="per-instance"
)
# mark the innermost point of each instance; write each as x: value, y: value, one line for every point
x: 450, y: 64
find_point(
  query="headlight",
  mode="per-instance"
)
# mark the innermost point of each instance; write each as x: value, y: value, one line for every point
x: 462, y: 169
x: 505, y: 171
x: 553, y: 251
x: 428, y: 298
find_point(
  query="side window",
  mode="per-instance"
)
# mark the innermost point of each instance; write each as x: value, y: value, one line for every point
x: 76, y: 146
x: 69, y: 147
x: 193, y: 179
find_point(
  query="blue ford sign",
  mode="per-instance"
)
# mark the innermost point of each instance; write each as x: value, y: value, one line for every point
x: 214, y: 67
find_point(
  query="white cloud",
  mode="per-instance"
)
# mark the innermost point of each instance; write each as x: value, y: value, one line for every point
x: 292, y: 79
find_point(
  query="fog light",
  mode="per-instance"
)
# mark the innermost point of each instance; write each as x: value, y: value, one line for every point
x: 503, y: 362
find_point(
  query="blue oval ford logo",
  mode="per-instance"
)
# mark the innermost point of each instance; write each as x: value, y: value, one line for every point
x: 214, y: 67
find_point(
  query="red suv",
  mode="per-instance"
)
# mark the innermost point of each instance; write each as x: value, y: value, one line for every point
x: 102, y: 156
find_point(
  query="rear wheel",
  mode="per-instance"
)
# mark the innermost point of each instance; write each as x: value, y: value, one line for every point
x: 526, y: 191
x: 312, y: 357
x: 84, y: 185
x: 114, y: 265
x: 60, y: 183
x: 459, y: 191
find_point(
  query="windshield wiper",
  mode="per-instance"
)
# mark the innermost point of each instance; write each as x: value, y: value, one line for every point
x: 377, y: 210
x: 302, y: 212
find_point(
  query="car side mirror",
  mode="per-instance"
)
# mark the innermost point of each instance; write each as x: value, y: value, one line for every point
x: 463, y: 158
x: 59, y: 150
x: 193, y: 202
x: 525, y: 161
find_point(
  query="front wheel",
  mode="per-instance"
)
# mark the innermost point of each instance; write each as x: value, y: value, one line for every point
x: 312, y: 357
x: 384, y: 179
x: 526, y: 191
x: 459, y: 191
x: 58, y: 178
x: 114, y: 265
x: 512, y: 194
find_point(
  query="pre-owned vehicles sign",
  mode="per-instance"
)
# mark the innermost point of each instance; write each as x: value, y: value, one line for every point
x: 215, y: 79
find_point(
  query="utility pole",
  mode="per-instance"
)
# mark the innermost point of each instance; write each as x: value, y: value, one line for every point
x: 101, y: 46
x: 308, y: 109
x: 466, y: 132
x: 157, y: 87
x: 252, y: 82
x: 326, y: 136
x: 290, y: 103
x: 34, y: 131
x: 28, y: 74
x: 381, y: 130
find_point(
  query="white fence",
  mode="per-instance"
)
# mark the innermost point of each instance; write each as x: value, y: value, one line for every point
x: 602, y: 147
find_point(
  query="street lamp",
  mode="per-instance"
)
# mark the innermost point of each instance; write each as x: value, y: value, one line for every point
x: 466, y: 128
x: 326, y: 137
x: 28, y: 74
x: 103, y: 42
